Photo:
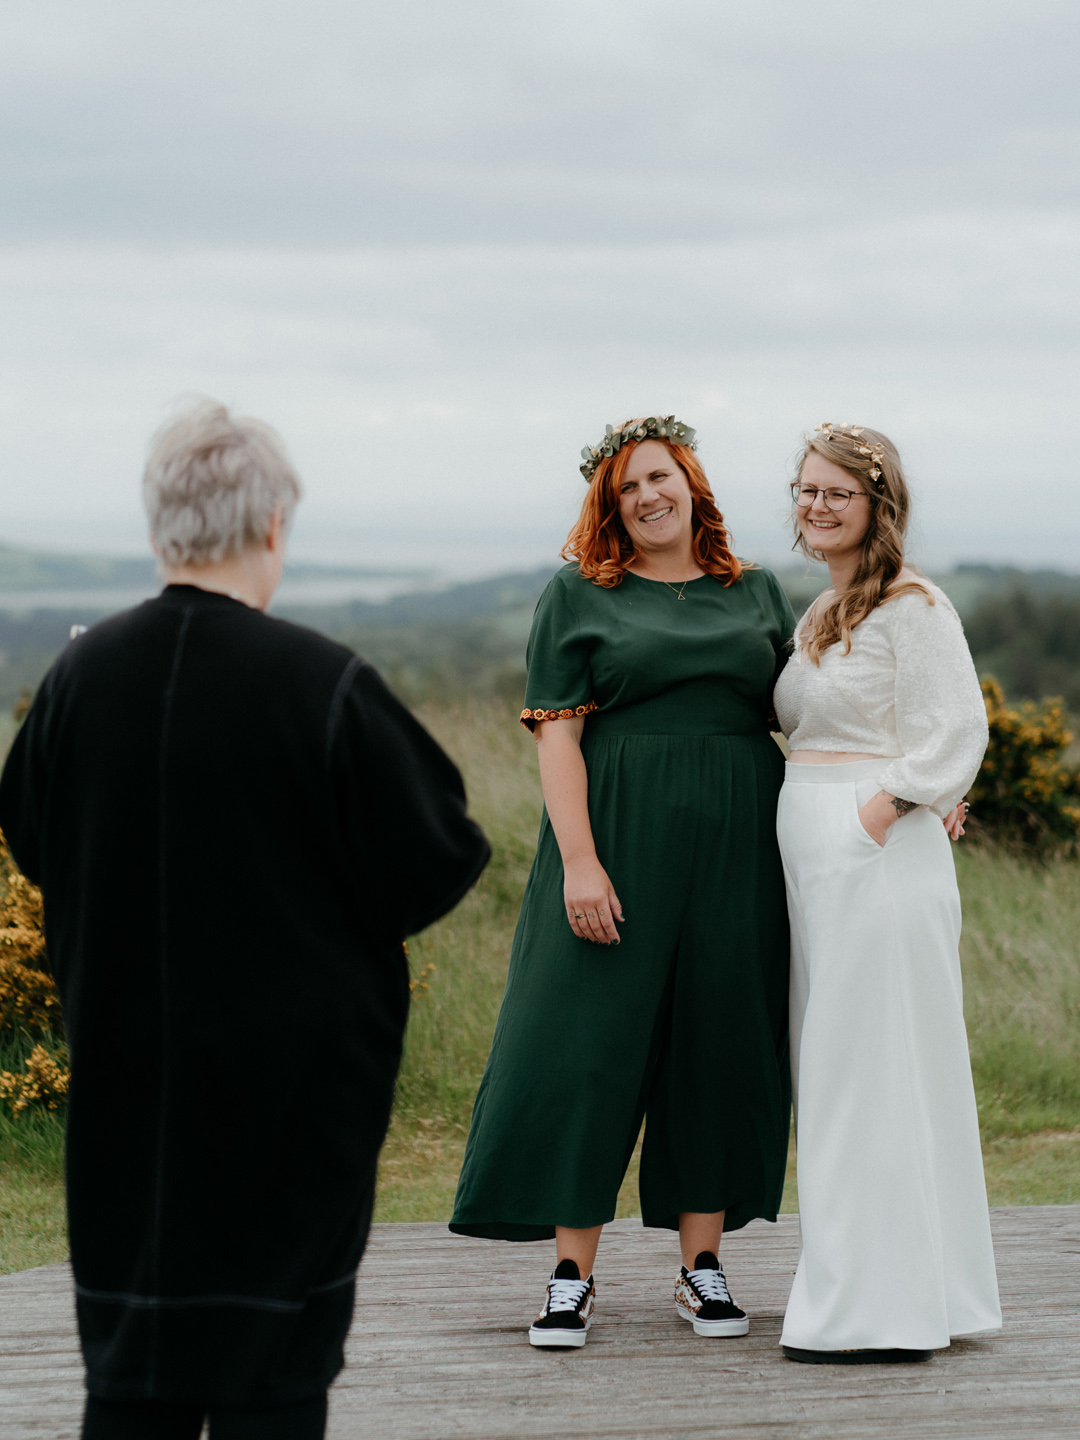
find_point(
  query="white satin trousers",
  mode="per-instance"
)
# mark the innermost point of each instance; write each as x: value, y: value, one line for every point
x: 896, y: 1248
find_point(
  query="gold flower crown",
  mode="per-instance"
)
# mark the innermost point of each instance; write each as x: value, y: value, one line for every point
x: 853, y: 433
x: 653, y: 427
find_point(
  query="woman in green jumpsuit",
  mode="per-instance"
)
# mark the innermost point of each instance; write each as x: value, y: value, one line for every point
x: 650, y: 672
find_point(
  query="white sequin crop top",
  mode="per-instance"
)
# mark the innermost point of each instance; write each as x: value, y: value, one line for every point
x: 906, y: 691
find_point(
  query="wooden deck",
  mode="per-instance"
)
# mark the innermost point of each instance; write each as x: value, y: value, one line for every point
x: 438, y: 1349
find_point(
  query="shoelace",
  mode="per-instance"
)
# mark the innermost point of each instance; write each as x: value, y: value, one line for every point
x: 711, y: 1285
x: 565, y: 1294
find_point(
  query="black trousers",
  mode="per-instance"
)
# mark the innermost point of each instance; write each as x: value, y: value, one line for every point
x: 161, y: 1420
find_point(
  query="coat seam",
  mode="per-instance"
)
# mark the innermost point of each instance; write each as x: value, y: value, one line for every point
x: 337, y: 702
x: 163, y: 974
x: 165, y: 1302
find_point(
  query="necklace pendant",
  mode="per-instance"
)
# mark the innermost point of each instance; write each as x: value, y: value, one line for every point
x: 679, y: 592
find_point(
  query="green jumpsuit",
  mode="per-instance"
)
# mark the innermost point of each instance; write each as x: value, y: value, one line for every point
x: 685, y: 1022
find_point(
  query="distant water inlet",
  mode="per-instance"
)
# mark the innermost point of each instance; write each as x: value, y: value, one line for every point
x: 331, y: 590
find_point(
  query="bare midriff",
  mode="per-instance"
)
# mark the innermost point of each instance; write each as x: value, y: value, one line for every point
x: 828, y: 757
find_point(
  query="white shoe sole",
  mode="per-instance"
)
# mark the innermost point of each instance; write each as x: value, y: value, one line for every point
x: 716, y: 1327
x: 558, y: 1339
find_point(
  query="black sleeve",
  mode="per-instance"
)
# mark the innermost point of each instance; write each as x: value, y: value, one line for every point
x: 402, y: 806
x: 22, y: 788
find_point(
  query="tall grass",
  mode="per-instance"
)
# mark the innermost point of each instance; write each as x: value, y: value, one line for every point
x: 1020, y: 955
x: 456, y: 1002
x: 452, y: 1020
x: 33, y: 1227
x: 1022, y: 993
x: 1021, y: 959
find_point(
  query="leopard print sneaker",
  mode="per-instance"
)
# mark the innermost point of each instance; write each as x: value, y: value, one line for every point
x: 568, y: 1309
x: 703, y: 1298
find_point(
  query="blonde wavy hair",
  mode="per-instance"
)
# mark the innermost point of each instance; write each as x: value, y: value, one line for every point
x: 875, y: 580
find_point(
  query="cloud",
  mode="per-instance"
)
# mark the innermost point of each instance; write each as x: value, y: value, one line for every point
x: 564, y: 121
x: 458, y: 383
x: 441, y: 245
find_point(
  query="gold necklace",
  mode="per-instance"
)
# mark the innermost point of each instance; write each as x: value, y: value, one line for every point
x: 679, y: 592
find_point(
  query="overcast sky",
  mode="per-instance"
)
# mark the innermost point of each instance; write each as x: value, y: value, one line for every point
x: 441, y: 245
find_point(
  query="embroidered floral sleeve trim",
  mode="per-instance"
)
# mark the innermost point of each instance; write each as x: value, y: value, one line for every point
x: 534, y: 715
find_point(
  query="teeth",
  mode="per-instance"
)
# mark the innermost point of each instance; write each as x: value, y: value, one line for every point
x: 658, y: 515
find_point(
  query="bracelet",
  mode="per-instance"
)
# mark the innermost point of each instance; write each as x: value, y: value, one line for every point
x: 903, y: 807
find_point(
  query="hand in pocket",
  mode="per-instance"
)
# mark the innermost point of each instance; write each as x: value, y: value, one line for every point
x: 876, y: 816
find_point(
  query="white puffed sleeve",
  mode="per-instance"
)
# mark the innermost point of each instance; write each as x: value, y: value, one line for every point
x: 940, y: 715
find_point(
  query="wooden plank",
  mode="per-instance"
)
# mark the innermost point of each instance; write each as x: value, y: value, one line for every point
x: 41, y: 1374
x: 438, y: 1349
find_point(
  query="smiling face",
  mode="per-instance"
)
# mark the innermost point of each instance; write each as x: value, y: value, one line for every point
x: 836, y: 534
x: 655, y: 502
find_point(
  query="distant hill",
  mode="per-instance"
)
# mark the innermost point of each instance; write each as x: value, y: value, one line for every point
x: 29, y: 570
x: 35, y: 570
x: 471, y: 636
x: 966, y: 586
x: 471, y: 600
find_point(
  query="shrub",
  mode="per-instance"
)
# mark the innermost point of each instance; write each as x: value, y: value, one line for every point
x: 1024, y: 793
x: 44, y: 1082
x: 21, y: 913
x: 29, y: 1001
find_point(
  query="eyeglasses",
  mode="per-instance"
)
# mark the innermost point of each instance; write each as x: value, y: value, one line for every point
x: 805, y: 495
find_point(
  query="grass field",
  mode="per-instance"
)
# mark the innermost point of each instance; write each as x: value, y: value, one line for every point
x: 33, y: 1230
x: 1021, y: 956
x: 1022, y: 985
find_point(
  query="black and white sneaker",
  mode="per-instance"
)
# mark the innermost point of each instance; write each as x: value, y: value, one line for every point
x: 702, y: 1296
x: 568, y: 1308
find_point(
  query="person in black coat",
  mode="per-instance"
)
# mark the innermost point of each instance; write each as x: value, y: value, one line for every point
x: 234, y: 825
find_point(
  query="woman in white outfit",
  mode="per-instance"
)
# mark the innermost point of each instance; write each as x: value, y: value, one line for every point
x: 887, y: 729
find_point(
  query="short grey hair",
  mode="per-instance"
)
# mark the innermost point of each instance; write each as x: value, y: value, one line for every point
x: 213, y: 482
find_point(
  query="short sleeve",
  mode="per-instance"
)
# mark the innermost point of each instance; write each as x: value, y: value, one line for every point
x: 558, y: 660
x: 402, y: 807
x: 940, y: 713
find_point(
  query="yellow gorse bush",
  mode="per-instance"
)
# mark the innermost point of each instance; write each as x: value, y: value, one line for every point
x: 29, y: 1001
x: 44, y: 1082
x: 1023, y: 791
x: 28, y: 998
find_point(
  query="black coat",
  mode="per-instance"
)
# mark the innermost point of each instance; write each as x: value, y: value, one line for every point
x: 234, y: 824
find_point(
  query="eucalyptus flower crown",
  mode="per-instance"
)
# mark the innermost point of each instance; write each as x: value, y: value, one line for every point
x: 876, y: 453
x: 653, y: 427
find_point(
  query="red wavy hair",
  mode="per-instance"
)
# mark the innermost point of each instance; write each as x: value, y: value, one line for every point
x: 603, y: 549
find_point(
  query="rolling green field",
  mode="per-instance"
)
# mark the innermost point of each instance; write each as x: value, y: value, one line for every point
x: 1022, y: 984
